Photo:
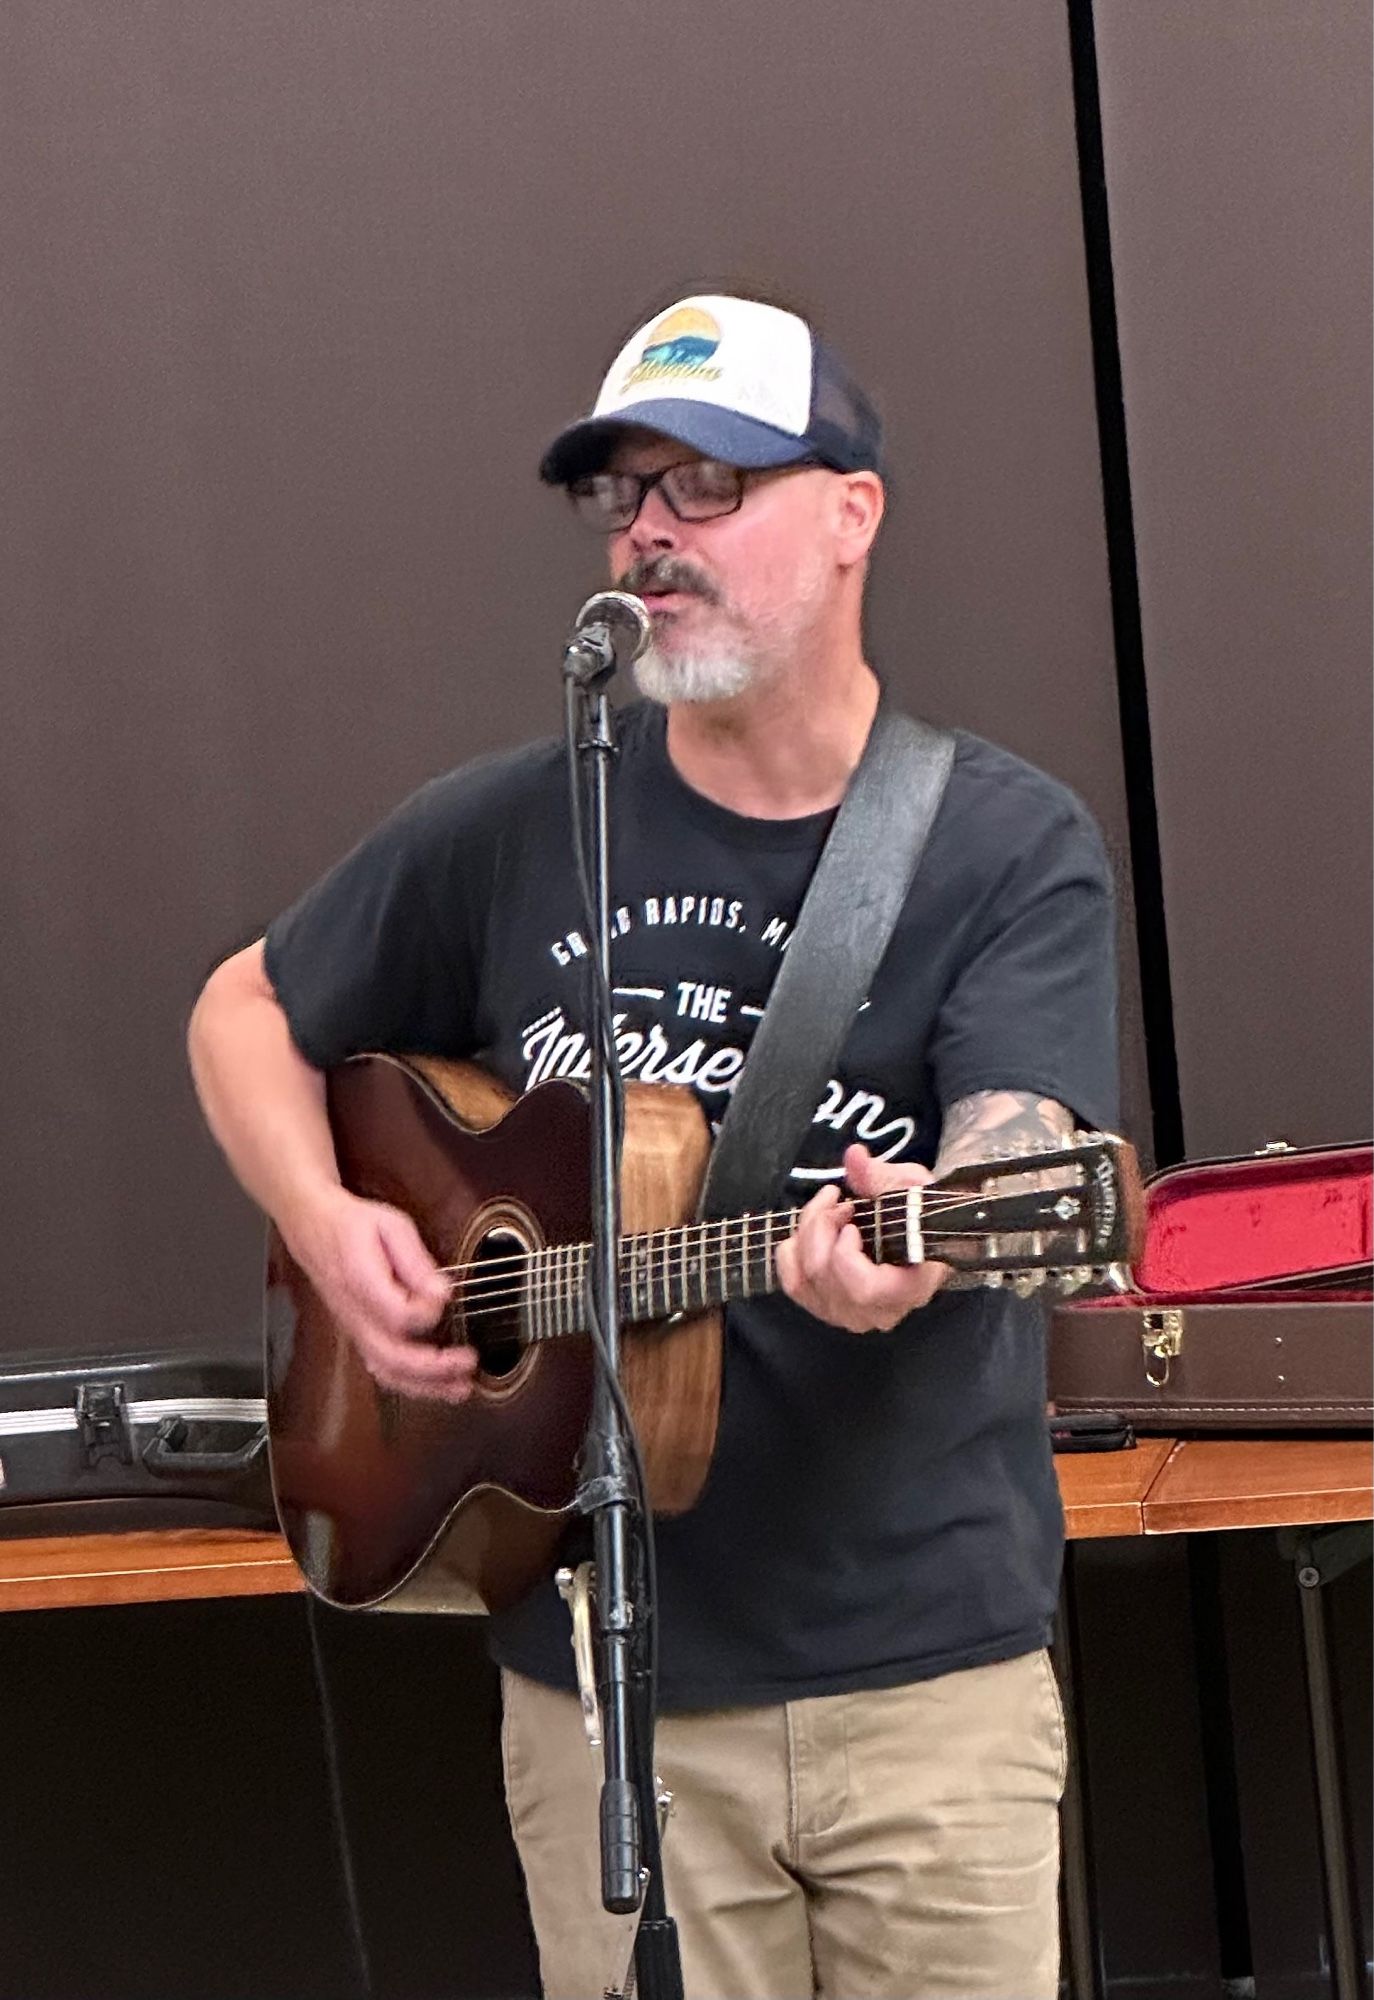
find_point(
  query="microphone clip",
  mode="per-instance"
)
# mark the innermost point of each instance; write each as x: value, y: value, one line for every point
x: 589, y: 656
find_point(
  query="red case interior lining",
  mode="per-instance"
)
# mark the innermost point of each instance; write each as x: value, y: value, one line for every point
x: 1214, y: 1226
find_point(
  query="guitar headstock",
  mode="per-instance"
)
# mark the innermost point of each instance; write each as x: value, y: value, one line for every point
x: 1070, y: 1218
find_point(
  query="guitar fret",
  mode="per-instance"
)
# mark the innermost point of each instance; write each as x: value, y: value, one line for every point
x: 747, y: 1253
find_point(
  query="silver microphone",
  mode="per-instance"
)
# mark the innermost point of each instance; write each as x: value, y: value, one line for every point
x: 623, y: 621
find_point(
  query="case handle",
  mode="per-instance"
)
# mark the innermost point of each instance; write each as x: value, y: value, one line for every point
x: 165, y: 1451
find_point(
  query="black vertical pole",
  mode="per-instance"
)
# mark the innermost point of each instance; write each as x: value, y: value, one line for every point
x: 1138, y: 757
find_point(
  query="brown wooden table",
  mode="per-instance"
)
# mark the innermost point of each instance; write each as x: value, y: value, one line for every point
x: 1164, y: 1486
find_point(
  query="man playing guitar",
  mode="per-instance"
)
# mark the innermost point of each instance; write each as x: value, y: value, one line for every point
x: 859, y: 1721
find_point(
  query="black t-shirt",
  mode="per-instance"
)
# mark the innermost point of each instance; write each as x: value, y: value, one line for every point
x: 880, y: 1508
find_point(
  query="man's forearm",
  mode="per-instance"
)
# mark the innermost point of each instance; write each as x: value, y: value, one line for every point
x: 989, y: 1124
x: 993, y: 1123
x: 262, y: 1100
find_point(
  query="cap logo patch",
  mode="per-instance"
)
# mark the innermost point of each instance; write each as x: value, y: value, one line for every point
x: 681, y: 344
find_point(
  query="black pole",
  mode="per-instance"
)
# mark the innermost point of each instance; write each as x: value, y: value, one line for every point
x: 631, y: 1862
x: 1142, y: 816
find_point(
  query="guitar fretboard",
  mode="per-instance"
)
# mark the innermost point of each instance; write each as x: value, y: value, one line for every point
x: 687, y: 1269
x: 539, y: 1294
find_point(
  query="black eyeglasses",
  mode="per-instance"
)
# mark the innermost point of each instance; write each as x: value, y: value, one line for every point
x: 699, y: 489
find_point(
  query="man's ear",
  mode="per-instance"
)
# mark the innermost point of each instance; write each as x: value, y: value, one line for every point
x: 859, y: 503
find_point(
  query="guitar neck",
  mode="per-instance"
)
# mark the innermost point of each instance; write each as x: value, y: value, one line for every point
x: 700, y: 1265
x: 690, y: 1268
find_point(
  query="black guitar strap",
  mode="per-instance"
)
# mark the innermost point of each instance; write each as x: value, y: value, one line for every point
x: 855, y: 896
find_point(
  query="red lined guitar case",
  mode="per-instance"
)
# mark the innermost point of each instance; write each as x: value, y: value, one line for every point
x: 1252, y: 1301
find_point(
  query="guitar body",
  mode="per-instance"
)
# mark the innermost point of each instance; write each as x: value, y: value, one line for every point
x: 407, y: 1503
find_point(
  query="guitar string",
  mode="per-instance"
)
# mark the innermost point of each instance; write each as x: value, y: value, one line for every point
x: 748, y: 1227
x: 538, y: 1275
x: 563, y: 1289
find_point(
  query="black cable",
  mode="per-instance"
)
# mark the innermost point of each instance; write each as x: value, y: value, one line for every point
x: 343, y: 1844
x: 602, y: 1012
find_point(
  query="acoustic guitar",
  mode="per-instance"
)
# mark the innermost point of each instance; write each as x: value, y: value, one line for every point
x: 404, y: 1502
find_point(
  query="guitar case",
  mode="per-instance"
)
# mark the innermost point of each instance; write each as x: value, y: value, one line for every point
x: 122, y: 1442
x: 1251, y: 1307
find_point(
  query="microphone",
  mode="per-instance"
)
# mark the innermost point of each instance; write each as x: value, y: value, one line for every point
x: 611, y: 630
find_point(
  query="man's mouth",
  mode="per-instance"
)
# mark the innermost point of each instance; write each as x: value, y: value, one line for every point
x: 667, y: 587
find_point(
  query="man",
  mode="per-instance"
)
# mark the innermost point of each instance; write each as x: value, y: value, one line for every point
x: 860, y: 1725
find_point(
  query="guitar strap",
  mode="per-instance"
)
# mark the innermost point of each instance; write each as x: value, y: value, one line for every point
x: 846, y: 920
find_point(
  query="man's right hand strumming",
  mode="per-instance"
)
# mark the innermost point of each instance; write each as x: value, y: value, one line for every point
x: 265, y: 1105
x: 371, y: 1268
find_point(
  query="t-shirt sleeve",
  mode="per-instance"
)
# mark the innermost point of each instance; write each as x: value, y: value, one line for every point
x: 380, y: 953
x: 1033, y: 1005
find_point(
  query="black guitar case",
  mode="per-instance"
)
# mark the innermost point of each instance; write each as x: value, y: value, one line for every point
x: 122, y: 1441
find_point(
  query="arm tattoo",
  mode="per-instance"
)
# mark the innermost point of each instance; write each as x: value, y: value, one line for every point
x: 993, y: 1121
x: 1000, y: 1121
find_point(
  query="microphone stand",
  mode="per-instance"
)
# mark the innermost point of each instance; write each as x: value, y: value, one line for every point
x: 631, y: 1861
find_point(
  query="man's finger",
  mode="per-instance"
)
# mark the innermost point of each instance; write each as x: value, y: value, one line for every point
x: 867, y: 1176
x: 412, y: 1359
x: 410, y: 1260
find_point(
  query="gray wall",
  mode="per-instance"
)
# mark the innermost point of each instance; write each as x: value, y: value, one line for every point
x: 1238, y: 181
x: 301, y: 292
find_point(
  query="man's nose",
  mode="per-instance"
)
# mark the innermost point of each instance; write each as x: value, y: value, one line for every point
x: 655, y: 526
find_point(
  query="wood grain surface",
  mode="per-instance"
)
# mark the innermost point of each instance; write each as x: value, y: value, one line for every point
x: 144, y: 1568
x: 1260, y: 1483
x: 1104, y: 1491
x: 1164, y: 1486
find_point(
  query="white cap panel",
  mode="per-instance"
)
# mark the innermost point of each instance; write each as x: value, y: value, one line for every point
x: 736, y: 353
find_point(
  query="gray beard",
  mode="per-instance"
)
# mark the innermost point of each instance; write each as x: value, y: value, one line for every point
x: 693, y: 677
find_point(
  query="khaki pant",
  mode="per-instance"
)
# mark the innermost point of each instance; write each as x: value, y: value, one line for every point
x: 901, y: 1844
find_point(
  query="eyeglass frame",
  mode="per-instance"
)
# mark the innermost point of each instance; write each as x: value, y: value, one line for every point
x: 647, y: 481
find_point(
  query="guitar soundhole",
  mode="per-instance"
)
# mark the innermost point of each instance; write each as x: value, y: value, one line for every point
x: 493, y: 1301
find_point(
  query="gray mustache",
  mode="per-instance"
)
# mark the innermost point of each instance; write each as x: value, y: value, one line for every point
x: 664, y: 573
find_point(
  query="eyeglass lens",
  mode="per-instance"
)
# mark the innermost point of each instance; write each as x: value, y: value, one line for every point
x: 698, y: 490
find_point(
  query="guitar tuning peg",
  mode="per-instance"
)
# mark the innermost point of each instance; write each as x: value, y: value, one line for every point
x: 1025, y: 1282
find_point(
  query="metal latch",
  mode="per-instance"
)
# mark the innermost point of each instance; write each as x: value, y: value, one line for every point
x: 102, y: 1418
x: 1161, y: 1334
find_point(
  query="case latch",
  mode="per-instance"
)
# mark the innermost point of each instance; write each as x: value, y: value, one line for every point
x: 1161, y: 1334
x: 102, y: 1417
